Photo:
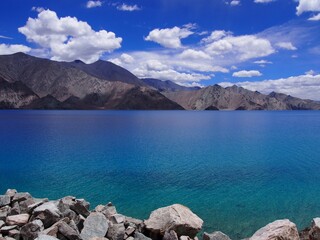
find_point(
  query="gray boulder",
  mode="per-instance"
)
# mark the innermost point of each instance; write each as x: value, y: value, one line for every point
x: 314, y: 233
x: 116, y: 231
x: 4, y: 211
x: 11, y: 192
x: 2, y: 223
x: 170, y: 235
x: 15, y: 210
x: 81, y: 206
x: 46, y: 237
x: 68, y: 232
x: 95, y: 225
x: 117, y: 218
x: 31, y: 230
x: 19, y: 197
x: 19, y: 220
x: 280, y: 229
x: 215, y: 236
x: 48, y: 213
x: 140, y: 236
x: 4, y: 200
x: 175, y: 217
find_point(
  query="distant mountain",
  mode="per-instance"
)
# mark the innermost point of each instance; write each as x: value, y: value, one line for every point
x: 62, y: 81
x: 167, y: 86
x: 237, y: 98
x: 108, y: 71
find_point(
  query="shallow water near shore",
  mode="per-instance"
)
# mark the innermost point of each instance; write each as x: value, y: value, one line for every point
x: 238, y: 171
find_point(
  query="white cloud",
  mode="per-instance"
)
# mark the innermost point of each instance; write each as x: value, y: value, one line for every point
x: 93, y: 4
x: 286, y: 45
x: 194, y: 54
x: 5, y: 37
x: 246, y: 74
x: 68, y: 39
x: 263, y: 1
x: 262, y: 62
x: 235, y: 3
x: 310, y: 72
x: 169, y: 37
x: 308, y: 6
x: 10, y: 49
x: 304, y: 86
x: 128, y: 8
x: 315, y: 17
x: 37, y: 9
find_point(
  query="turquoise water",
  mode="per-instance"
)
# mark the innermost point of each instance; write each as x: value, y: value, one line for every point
x: 237, y: 170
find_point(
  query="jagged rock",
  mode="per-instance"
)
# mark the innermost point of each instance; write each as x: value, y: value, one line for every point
x: 65, y: 203
x: 117, y: 218
x: 24, y: 205
x: 48, y: 213
x: 31, y: 230
x: 280, y: 229
x: 68, y: 232
x: 130, y: 238
x: 81, y: 207
x: 140, y: 236
x: 215, y: 236
x: 37, y: 204
x: 175, y: 217
x: 46, y: 237
x: 133, y: 222
x: 18, y: 197
x: 314, y: 233
x: 129, y: 231
x: 109, y: 210
x: 6, y: 229
x: 14, y: 233
x: 170, y: 235
x: 15, y: 210
x: 185, y: 238
x: 19, y: 220
x: 96, y: 225
x: 4, y: 200
x: 99, y: 238
x: 100, y: 208
x: 116, y: 231
x: 11, y: 192
x: 4, y: 211
x: 79, y: 221
x: 2, y: 223
x: 69, y: 214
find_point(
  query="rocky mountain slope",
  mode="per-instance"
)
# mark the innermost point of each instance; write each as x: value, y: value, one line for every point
x: 167, y: 86
x: 237, y: 98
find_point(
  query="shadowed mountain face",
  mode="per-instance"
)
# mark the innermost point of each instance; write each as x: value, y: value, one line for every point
x: 60, y: 85
x: 237, y: 98
x: 167, y: 86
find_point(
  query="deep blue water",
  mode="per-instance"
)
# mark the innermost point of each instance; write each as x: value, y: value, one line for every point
x: 237, y: 170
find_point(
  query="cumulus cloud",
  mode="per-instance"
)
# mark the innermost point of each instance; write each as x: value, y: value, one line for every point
x: 67, y: 38
x: 315, y: 17
x: 235, y: 3
x: 37, y: 9
x: 308, y: 6
x: 194, y: 54
x: 169, y: 37
x: 304, y: 86
x: 286, y: 46
x: 93, y: 4
x: 14, y: 48
x: 247, y: 74
x: 263, y: 1
x: 128, y: 8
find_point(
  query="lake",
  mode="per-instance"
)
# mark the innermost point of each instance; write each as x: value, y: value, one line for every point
x: 238, y: 171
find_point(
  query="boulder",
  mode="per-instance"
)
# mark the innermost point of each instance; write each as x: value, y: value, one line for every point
x: 46, y: 237
x: 4, y: 211
x: 48, y: 213
x: 140, y: 236
x: 314, y: 233
x: 129, y: 231
x: 170, y: 235
x: 4, y: 200
x: 31, y: 230
x: 185, y: 238
x: 37, y: 203
x: 116, y: 231
x: 117, y: 218
x: 68, y: 232
x: 99, y: 238
x: 2, y: 223
x: 11, y: 192
x: 81, y: 206
x: 215, y: 236
x: 175, y: 217
x: 95, y: 225
x: 15, y: 210
x: 14, y: 233
x: 19, y: 197
x: 6, y: 229
x: 109, y: 210
x: 280, y: 229
x: 19, y: 220
x: 24, y: 205
x: 133, y: 222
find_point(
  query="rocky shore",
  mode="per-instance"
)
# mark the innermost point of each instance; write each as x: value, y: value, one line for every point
x: 25, y: 217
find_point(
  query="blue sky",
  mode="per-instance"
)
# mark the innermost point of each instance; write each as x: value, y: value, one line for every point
x: 264, y: 45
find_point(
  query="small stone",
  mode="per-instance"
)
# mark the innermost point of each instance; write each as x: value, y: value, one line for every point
x: 11, y: 192
x: 4, y: 200
x: 129, y: 231
x: 116, y: 231
x: 215, y: 236
x: 96, y: 225
x: 19, y: 220
x: 117, y: 218
x: 170, y: 235
x: 46, y: 237
x: 31, y: 230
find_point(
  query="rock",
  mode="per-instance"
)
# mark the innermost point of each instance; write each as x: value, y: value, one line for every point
x: 129, y: 231
x: 15, y: 210
x: 14, y: 233
x: 117, y: 218
x: 130, y: 238
x: 2, y: 223
x: 4, y: 200
x: 19, y: 197
x: 11, y: 192
x: 68, y: 232
x: 24, y: 205
x: 65, y: 203
x: 170, y: 235
x: 140, y: 236
x: 31, y: 230
x: 96, y: 225
x: 37, y: 203
x: 185, y: 238
x: 79, y: 221
x: 19, y: 220
x: 116, y: 231
x: 46, y: 237
x: 81, y: 207
x: 99, y: 208
x: 215, y: 236
x: 314, y: 233
x: 175, y: 217
x: 4, y: 211
x: 6, y: 229
x: 133, y: 222
x: 109, y: 210
x: 48, y: 213
x: 280, y: 229
x: 99, y: 238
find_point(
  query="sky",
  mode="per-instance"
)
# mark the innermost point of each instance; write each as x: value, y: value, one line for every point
x: 263, y: 45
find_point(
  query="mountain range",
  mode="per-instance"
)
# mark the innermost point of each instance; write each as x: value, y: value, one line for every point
x: 28, y: 82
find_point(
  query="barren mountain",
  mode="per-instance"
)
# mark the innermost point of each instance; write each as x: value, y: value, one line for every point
x: 167, y: 86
